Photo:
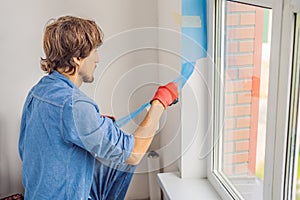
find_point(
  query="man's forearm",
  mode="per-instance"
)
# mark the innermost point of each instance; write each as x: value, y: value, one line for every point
x: 144, y: 134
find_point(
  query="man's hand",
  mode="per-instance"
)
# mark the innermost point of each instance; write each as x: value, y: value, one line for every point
x: 167, y: 94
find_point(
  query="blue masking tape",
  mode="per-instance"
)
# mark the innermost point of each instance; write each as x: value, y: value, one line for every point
x: 186, y: 71
x: 193, y: 7
x: 194, y: 44
x: 124, y: 120
x: 194, y: 39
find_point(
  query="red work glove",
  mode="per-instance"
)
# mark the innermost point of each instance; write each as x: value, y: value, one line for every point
x: 167, y: 94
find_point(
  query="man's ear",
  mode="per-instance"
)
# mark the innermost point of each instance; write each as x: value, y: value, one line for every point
x: 77, y: 61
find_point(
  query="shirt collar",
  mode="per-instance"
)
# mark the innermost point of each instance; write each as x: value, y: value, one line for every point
x: 56, y: 74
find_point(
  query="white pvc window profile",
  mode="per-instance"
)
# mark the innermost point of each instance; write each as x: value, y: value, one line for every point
x: 221, y: 184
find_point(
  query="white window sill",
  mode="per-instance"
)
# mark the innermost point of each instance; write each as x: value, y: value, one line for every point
x: 176, y: 188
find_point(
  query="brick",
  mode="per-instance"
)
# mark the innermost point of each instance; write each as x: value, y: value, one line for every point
x: 227, y: 170
x: 246, y: 46
x: 239, y: 7
x: 230, y: 99
x: 232, y: 19
x: 243, y: 122
x: 241, y: 157
x: 236, y: 158
x: 238, y: 86
x: 232, y: 47
x: 231, y: 74
x: 245, y: 72
x: 241, y: 168
x: 228, y: 147
x: 242, y: 146
x: 237, y: 135
x: 247, y: 19
x: 239, y: 60
x: 244, y: 98
x: 234, y: 111
x: 229, y: 123
x: 240, y: 33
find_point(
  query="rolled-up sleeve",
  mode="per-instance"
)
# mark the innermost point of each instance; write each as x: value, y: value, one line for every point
x: 84, y: 126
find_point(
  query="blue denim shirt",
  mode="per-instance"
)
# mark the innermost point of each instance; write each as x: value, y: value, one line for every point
x: 61, y: 134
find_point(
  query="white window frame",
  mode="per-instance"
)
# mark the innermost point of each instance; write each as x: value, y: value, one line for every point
x: 293, y: 130
x: 289, y: 22
x: 278, y: 100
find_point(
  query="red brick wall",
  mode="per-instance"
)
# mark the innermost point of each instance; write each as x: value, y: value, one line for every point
x: 244, y: 30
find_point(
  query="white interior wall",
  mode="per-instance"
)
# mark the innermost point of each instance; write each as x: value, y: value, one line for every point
x: 123, y: 57
x: 183, y: 143
x: 169, y: 55
x: 22, y: 24
x: 195, y: 123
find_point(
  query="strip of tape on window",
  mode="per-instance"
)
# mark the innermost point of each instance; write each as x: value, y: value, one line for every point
x: 187, y: 21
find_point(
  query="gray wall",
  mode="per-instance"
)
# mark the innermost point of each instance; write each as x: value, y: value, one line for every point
x: 22, y: 24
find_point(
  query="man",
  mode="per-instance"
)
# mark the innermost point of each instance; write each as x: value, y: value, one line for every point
x: 69, y: 150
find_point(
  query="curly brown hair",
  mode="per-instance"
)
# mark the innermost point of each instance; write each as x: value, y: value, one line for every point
x: 66, y: 38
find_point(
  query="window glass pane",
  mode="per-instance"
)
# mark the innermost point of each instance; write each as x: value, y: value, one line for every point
x: 246, y: 76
